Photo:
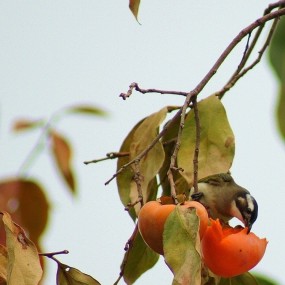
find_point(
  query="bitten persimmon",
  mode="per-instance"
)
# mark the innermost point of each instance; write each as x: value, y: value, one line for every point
x: 229, y: 252
x: 153, y: 215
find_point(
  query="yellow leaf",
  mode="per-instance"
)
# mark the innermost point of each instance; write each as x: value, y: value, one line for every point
x: 67, y: 275
x: 87, y: 110
x: 3, y: 264
x: 124, y: 179
x: 62, y: 154
x: 142, y: 138
x: 23, y: 261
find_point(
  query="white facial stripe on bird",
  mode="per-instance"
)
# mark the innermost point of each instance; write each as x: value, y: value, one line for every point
x: 235, y: 212
x: 250, y: 204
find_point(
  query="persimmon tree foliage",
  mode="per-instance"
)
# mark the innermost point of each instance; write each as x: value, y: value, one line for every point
x: 165, y: 154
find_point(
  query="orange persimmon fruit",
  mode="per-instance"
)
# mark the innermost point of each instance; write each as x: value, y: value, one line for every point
x: 229, y: 252
x: 153, y: 215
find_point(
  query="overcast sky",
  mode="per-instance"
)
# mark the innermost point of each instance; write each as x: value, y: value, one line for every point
x: 59, y: 53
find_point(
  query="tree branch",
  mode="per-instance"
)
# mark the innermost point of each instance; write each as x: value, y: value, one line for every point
x: 197, y: 145
x: 109, y: 155
x: 243, y: 33
x: 145, y: 152
x: 240, y: 71
x: 135, y: 86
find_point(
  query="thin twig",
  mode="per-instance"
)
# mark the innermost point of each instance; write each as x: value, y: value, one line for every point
x: 240, y: 71
x: 232, y: 45
x: 197, y: 145
x: 138, y: 180
x: 206, y: 79
x: 261, y: 52
x: 35, y: 151
x: 127, y: 248
x: 50, y: 254
x: 213, y: 70
x: 110, y: 155
x: 135, y: 86
x: 144, y: 152
x: 173, y: 158
x: 245, y: 53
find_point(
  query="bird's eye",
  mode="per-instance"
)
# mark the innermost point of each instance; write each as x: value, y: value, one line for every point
x: 248, y: 210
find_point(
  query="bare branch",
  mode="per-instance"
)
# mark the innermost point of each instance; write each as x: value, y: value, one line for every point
x: 110, y: 155
x: 135, y: 86
x: 248, y: 50
x: 259, y: 22
x: 50, y: 254
x: 145, y: 152
x: 197, y: 145
x: 138, y: 179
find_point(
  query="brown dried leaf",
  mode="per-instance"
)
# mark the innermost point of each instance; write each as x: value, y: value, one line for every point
x: 23, y: 261
x: 62, y: 155
x: 26, y: 202
x: 3, y: 264
x: 26, y: 124
x: 134, y: 7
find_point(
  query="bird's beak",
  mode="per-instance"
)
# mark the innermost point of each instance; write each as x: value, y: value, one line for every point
x: 248, y: 224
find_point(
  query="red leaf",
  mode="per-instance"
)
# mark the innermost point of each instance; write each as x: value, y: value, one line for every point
x: 62, y: 154
x: 25, y: 124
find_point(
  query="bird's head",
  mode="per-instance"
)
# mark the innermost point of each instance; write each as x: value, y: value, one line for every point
x: 245, y: 208
x: 225, y: 199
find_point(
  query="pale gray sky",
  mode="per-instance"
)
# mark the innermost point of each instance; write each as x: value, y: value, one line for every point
x: 57, y: 53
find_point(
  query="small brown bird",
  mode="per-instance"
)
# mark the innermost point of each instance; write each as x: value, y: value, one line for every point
x: 224, y: 199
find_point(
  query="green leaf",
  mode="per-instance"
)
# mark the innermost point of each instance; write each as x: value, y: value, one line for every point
x: 140, y: 137
x: 87, y: 110
x: 216, y: 141
x: 277, y: 51
x: 140, y: 258
x: 277, y: 60
x: 151, y: 163
x: 181, y: 245
x: 264, y: 280
x: 244, y: 279
x: 23, y: 259
x: 67, y: 275
x: 134, y: 7
x: 280, y: 111
x: 169, y: 142
x: 126, y: 177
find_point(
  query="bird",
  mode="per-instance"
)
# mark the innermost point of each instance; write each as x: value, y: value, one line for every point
x: 224, y: 199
